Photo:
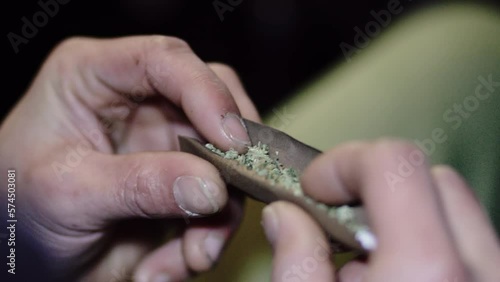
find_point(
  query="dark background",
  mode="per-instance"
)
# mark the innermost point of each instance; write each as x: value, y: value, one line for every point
x: 275, y: 45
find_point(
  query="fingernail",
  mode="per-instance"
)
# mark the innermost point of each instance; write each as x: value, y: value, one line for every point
x: 235, y: 130
x: 213, y: 245
x: 163, y: 277
x: 270, y: 223
x: 196, y: 196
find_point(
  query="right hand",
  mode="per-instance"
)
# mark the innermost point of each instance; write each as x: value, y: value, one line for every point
x: 430, y: 227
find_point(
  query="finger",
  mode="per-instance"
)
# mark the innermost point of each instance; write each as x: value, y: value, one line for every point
x: 322, y: 178
x: 205, y: 239
x: 143, y: 66
x: 194, y: 250
x: 148, y: 185
x: 472, y: 230
x: 396, y: 188
x: 233, y: 83
x: 164, y: 264
x: 156, y: 124
x: 352, y: 271
x: 301, y: 251
x: 132, y: 240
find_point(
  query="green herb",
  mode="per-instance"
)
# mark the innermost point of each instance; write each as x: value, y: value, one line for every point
x: 258, y: 159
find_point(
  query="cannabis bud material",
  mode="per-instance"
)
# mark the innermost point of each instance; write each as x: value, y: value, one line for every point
x: 257, y: 158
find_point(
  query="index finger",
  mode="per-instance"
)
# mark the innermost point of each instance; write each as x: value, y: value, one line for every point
x: 143, y: 66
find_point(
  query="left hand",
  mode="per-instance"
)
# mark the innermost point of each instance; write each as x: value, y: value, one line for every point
x: 101, y: 181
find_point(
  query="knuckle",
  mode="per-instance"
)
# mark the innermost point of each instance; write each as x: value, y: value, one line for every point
x: 67, y: 55
x: 70, y: 46
x: 71, y: 42
x: 203, y: 77
x: 141, y: 192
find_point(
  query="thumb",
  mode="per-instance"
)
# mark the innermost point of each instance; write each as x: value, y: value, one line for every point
x: 150, y: 185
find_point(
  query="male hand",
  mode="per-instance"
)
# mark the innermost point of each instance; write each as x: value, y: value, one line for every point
x: 100, y: 177
x: 429, y: 226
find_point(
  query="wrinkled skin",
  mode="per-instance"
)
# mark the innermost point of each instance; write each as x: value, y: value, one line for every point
x: 94, y: 143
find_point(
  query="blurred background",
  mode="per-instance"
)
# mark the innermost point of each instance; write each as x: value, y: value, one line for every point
x: 277, y: 46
